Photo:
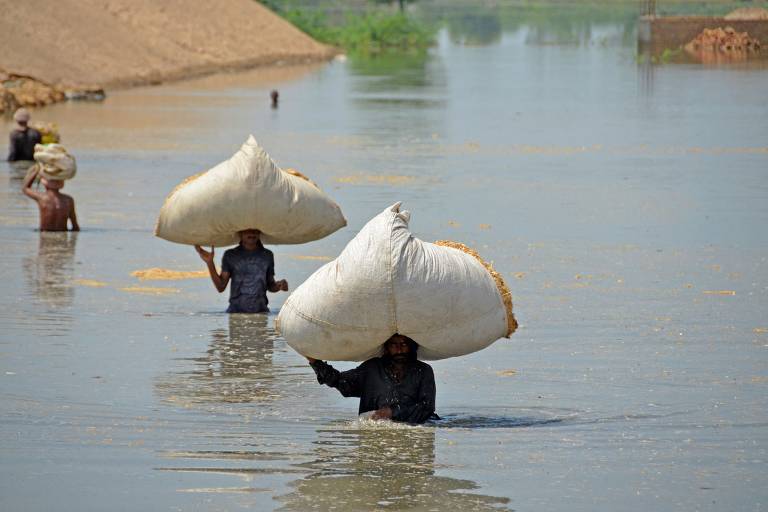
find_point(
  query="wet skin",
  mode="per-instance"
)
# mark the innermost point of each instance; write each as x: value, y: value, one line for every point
x: 55, y: 208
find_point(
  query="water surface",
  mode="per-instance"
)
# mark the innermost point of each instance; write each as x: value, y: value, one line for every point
x: 624, y: 205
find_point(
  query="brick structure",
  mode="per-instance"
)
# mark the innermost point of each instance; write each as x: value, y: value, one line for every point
x: 656, y: 34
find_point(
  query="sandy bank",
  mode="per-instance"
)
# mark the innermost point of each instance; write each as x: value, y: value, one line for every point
x: 116, y: 43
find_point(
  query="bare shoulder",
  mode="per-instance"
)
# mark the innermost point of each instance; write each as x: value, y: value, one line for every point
x: 67, y: 199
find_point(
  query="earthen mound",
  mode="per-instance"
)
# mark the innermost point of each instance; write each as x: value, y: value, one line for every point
x: 748, y: 13
x: 108, y: 43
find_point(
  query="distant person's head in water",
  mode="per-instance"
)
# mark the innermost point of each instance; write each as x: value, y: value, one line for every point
x: 274, y: 95
x: 23, y: 139
x: 250, y: 239
x: 21, y: 116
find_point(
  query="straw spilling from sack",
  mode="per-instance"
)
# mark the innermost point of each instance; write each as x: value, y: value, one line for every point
x: 184, y: 183
x: 506, y: 294
x: 294, y: 172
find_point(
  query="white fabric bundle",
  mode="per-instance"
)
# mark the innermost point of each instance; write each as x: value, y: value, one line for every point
x: 387, y: 281
x: 248, y: 191
x: 54, y: 162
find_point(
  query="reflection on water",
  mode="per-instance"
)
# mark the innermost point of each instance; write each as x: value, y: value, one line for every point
x: 659, y: 54
x: 613, y: 214
x: 558, y: 23
x: 388, y: 72
x: 19, y: 169
x: 378, y: 466
x: 236, y: 368
x: 474, y: 26
x: 49, y: 275
x: 397, y: 90
x: 645, y: 74
x: 576, y: 24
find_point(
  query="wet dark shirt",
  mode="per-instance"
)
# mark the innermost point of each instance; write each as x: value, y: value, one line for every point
x: 23, y: 144
x: 411, y: 401
x: 251, y: 274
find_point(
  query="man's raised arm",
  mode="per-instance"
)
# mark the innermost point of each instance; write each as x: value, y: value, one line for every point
x: 220, y: 281
x: 349, y: 383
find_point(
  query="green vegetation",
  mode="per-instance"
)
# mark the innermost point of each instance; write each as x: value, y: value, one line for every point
x: 365, y: 32
x: 669, y: 55
x: 373, y: 27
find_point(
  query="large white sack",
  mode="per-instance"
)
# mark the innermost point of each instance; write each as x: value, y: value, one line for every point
x: 248, y: 191
x: 55, y: 162
x: 386, y: 281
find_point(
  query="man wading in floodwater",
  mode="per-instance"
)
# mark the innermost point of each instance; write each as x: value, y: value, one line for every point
x: 395, y: 386
x: 23, y: 139
x: 252, y: 269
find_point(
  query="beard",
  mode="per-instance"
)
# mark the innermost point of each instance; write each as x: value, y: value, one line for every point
x: 401, y: 358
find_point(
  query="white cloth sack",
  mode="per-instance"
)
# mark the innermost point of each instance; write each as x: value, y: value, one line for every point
x: 54, y: 162
x: 248, y: 191
x: 387, y: 281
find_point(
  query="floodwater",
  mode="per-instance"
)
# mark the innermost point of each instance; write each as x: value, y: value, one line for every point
x: 624, y: 205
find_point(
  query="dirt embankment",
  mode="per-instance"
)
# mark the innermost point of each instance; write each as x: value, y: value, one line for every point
x: 92, y: 44
x: 748, y: 13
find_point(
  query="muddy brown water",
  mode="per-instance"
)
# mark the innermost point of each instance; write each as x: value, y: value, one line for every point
x: 625, y: 208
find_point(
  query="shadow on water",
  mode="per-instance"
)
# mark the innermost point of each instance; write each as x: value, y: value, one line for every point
x: 456, y: 421
x: 487, y: 418
x: 370, y: 467
x: 533, y: 417
x: 236, y: 367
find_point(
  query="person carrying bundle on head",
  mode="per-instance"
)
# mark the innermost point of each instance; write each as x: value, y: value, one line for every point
x: 53, y: 165
x: 251, y: 267
x: 395, y: 386
x: 56, y: 209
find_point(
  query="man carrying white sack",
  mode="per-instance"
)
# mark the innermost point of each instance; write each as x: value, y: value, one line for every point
x: 396, y: 386
x: 251, y: 267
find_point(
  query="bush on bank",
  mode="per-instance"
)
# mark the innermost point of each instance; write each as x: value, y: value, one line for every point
x: 365, y: 33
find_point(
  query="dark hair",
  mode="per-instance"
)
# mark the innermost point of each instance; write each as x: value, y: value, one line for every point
x: 412, y: 345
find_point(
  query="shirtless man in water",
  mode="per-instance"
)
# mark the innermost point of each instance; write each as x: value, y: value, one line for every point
x: 55, y: 208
